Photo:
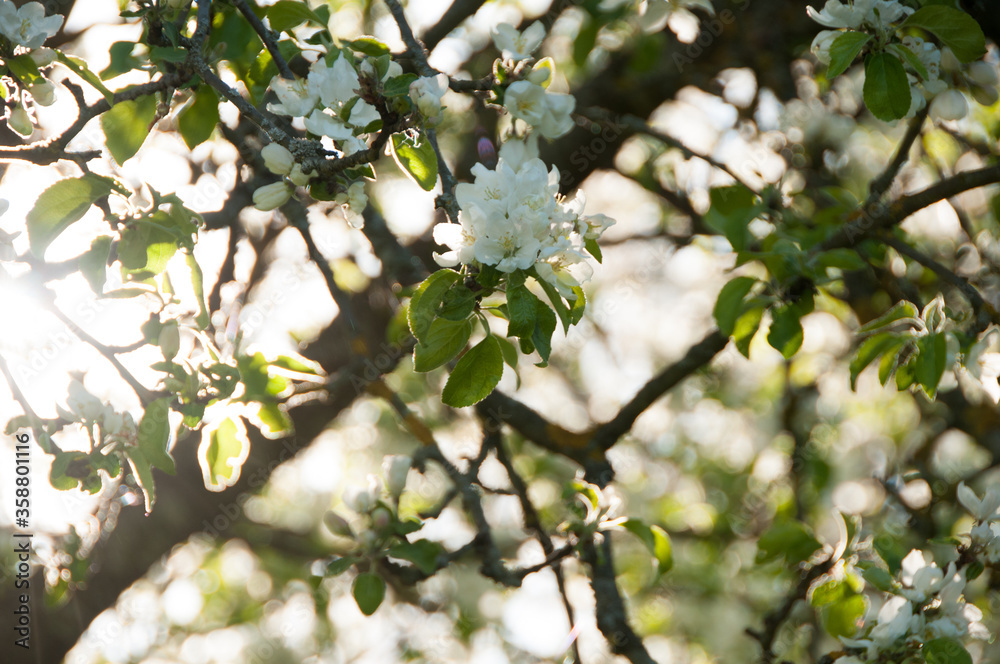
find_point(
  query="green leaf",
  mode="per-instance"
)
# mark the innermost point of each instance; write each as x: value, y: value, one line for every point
x: 147, y: 245
x: 127, y: 125
x: 577, y: 306
x: 270, y: 419
x: 871, y: 349
x: 843, y: 617
x: 746, y: 328
x: 557, y: 302
x: 62, y: 204
x: 369, y: 46
x: 369, y: 591
x: 844, y: 50
x: 398, y: 86
x: 419, y: 162
x: 94, y: 263
x: 338, y: 566
x: 425, y: 300
x: 945, y: 651
x: 910, y: 58
x: 732, y: 209
x: 956, y: 30
x: 222, y: 452
x: 844, y: 259
x: 930, y: 362
x: 458, y: 303
x: 198, y: 120
x: 886, y: 89
x: 79, y: 67
x: 122, y: 60
x: 785, y: 334
x: 422, y: 553
x: 522, y: 307
x: 198, y: 284
x: 656, y: 540
x: 901, y: 310
x: 905, y: 375
x: 143, y: 473
x: 729, y: 305
x: 827, y: 592
x: 541, y: 338
x: 879, y: 578
x: 172, y: 54
x: 287, y: 14
x: 594, y: 249
x: 476, y: 374
x: 445, y: 339
x: 154, y: 435
x: 791, y: 541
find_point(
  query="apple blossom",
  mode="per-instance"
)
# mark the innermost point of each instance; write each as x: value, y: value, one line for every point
x: 295, y: 96
x: 949, y: 105
x: 426, y: 93
x: 28, y: 26
x: 548, y: 112
x: 516, y: 45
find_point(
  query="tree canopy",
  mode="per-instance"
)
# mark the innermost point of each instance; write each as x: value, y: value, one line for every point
x: 337, y: 330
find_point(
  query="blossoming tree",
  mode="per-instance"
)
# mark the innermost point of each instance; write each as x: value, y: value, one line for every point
x: 533, y: 403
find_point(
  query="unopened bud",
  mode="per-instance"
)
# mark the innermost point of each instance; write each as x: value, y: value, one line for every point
x: 949, y: 105
x: 396, y: 467
x: 42, y: 57
x: 20, y: 122
x: 169, y: 340
x: 277, y: 158
x: 337, y: 524
x: 271, y: 196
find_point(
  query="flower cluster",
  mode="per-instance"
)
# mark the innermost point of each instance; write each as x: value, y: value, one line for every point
x: 115, y: 427
x: 986, y: 533
x: 929, y: 604
x: 513, y: 218
x: 529, y: 100
x: 27, y: 28
x: 933, y: 72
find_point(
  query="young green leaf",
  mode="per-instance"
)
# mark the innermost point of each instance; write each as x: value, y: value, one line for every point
x: 143, y: 473
x: 127, y: 125
x: 729, y: 305
x: 945, y: 651
x: 930, y: 362
x: 841, y: 619
x: 444, y: 340
x: 956, y: 30
x: 900, y: 311
x: 425, y: 301
x: 785, y: 334
x: 476, y: 374
x: 521, y: 306
x: 746, y: 328
x: 197, y: 121
x: 886, y: 89
x: 869, y: 351
x: 844, y: 50
x: 154, y: 435
x: 419, y: 162
x: 422, y: 553
x: 62, y: 204
x: 222, y: 452
x: 369, y: 591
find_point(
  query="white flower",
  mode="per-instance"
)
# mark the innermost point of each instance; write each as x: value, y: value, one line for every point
x: 548, y: 112
x: 923, y: 579
x: 949, y: 105
x: 277, y: 158
x: 873, y: 13
x: 19, y: 120
x: 983, y: 363
x: 893, y: 622
x: 295, y: 97
x: 272, y: 196
x: 43, y: 57
x: 516, y: 45
x: 28, y: 26
x: 82, y: 403
x: 396, y: 467
x: 322, y: 123
x: 354, y: 204
x: 363, y: 499
x: 821, y: 44
x: 334, y: 85
x: 982, y: 510
x: 555, y: 263
x: 363, y: 114
x: 426, y: 93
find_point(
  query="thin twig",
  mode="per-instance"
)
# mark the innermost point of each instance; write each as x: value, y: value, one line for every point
x: 881, y: 184
x: 267, y: 37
